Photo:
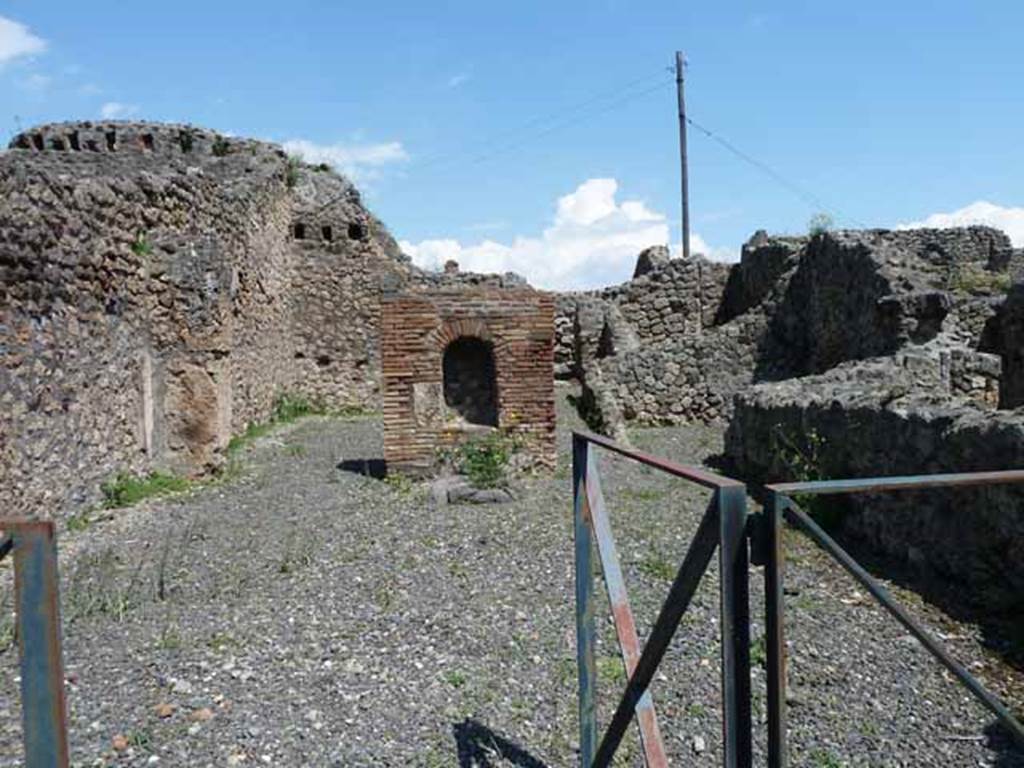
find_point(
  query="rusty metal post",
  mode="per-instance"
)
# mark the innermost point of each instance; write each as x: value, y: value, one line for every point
x: 775, y: 640
x: 43, y: 707
x: 735, y: 638
x: 585, y: 663
x: 622, y: 614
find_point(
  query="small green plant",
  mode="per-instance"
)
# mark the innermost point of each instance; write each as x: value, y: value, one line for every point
x: 822, y: 758
x: 79, y: 522
x: 98, y: 586
x: 759, y: 652
x: 820, y: 223
x: 127, y: 489
x: 610, y: 669
x: 399, y: 483
x: 291, y: 171
x: 454, y: 678
x: 976, y: 281
x: 296, y: 553
x: 643, y: 494
x: 221, y: 147
x: 485, y: 460
x: 289, y: 407
x: 169, y: 640
x: 220, y: 641
x: 695, y: 710
x: 141, y: 246
x: 803, y: 460
x: 141, y: 740
x: 187, y: 139
x: 657, y: 567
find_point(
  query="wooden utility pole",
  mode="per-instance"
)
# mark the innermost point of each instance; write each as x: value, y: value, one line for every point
x: 680, y: 64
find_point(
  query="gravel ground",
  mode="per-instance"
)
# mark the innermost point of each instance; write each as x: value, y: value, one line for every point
x: 305, y: 615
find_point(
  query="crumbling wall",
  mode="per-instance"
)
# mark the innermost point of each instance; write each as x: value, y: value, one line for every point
x: 343, y: 259
x: 899, y: 415
x: 147, y: 296
x: 792, y: 306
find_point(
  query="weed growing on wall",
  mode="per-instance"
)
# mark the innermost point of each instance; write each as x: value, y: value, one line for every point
x: 802, y: 459
x: 221, y: 148
x: 291, y: 171
x: 186, y: 140
x: 819, y: 224
x: 141, y: 246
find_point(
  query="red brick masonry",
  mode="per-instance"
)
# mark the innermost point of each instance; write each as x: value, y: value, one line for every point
x: 415, y: 329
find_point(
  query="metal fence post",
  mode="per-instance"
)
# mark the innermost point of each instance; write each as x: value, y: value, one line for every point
x: 39, y: 645
x: 775, y: 645
x: 584, y: 601
x: 735, y: 606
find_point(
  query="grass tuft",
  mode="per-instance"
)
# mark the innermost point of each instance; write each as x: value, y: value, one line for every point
x: 126, y: 489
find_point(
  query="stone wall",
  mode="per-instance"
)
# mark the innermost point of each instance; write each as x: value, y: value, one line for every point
x: 342, y: 257
x: 416, y: 329
x: 153, y: 302
x: 899, y: 415
x: 678, y: 341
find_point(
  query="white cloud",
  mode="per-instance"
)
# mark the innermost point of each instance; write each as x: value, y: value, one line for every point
x: 16, y: 41
x: 115, y: 110
x: 1010, y: 220
x: 456, y: 80
x: 360, y: 162
x: 593, y: 241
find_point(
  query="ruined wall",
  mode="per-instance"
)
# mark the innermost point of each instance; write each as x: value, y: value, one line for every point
x: 343, y: 257
x: 147, y: 297
x: 678, y: 341
x: 899, y: 415
x: 416, y: 328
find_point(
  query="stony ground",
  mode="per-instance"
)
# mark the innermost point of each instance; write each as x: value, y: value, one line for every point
x: 305, y: 615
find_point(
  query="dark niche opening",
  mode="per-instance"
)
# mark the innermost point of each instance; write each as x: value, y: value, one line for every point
x: 357, y: 231
x: 299, y: 231
x: 327, y: 232
x: 111, y: 137
x: 147, y: 142
x: 470, y: 386
x: 37, y: 141
x: 74, y: 141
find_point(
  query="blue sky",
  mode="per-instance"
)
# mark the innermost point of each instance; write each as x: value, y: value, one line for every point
x: 543, y: 136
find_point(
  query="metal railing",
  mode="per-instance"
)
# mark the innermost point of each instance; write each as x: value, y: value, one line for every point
x: 723, y: 526
x: 43, y: 708
x: 780, y: 506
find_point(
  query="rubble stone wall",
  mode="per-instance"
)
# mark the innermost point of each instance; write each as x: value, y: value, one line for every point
x: 898, y: 416
x: 153, y: 302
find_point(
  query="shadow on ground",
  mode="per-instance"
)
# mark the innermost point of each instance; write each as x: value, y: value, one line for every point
x: 480, y: 747
x: 1009, y: 754
x: 375, y: 468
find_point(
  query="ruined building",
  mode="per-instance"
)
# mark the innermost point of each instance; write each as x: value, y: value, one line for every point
x: 846, y: 354
x: 161, y: 286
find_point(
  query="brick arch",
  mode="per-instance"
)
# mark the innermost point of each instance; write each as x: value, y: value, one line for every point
x: 451, y: 330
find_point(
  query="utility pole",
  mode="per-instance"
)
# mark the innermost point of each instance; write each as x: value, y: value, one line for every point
x: 680, y: 64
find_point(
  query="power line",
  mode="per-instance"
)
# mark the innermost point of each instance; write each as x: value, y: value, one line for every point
x: 566, y: 123
x: 557, y: 115
x: 580, y: 114
x: 804, y: 194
